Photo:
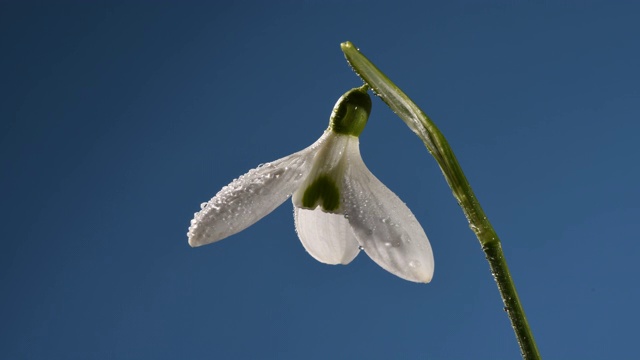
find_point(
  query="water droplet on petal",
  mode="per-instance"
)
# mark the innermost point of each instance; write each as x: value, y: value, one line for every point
x: 278, y: 173
x: 361, y: 247
x: 203, y: 205
x: 394, y: 243
x: 414, y: 263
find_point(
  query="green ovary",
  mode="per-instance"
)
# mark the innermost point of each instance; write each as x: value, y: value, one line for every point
x: 324, y: 192
x: 351, y: 112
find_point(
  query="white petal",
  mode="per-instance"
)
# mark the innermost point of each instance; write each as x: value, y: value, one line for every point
x: 327, y: 237
x: 389, y: 233
x: 250, y: 197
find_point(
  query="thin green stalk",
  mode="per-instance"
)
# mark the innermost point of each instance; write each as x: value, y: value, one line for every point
x: 437, y: 145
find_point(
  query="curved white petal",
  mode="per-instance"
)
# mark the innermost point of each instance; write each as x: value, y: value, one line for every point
x: 251, y: 197
x: 327, y: 237
x: 385, y: 227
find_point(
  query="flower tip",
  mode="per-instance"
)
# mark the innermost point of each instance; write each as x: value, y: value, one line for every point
x: 346, y: 45
x: 427, y: 279
x: 195, y: 239
x: 423, y: 278
x: 193, y: 243
x: 426, y: 274
x: 417, y: 272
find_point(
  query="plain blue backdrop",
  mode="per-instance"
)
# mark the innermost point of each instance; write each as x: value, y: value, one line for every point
x: 117, y: 119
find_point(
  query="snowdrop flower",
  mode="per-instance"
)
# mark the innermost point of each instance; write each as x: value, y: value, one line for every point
x: 340, y: 208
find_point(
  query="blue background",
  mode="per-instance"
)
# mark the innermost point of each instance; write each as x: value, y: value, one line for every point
x: 118, y: 119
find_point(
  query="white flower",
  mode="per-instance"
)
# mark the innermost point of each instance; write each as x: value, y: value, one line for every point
x: 340, y: 207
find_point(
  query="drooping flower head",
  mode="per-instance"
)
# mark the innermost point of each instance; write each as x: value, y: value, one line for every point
x: 340, y: 207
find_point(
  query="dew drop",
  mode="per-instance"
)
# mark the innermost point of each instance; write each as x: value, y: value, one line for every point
x: 278, y: 173
x: 389, y: 222
x: 394, y: 243
x: 203, y: 205
x: 414, y: 263
x: 361, y: 247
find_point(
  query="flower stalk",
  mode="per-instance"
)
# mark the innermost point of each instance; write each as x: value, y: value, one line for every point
x: 438, y: 146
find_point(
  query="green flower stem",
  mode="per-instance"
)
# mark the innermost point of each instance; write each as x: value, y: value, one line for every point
x: 437, y: 145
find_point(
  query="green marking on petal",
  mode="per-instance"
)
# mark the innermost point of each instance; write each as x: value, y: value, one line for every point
x: 322, y: 189
x: 351, y: 112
